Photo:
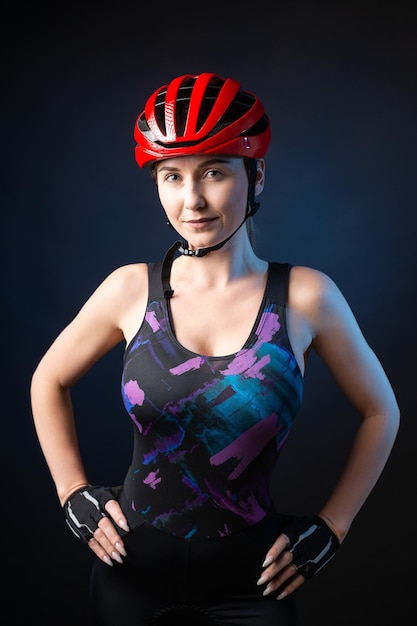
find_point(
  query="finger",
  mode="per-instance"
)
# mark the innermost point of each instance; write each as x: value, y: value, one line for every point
x: 109, y: 539
x: 285, y: 575
x: 99, y: 551
x: 274, y: 564
x: 276, y: 550
x: 279, y: 570
x: 113, y: 509
x: 289, y: 588
x: 287, y: 581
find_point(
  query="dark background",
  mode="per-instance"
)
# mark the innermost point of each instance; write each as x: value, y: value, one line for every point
x: 339, y: 84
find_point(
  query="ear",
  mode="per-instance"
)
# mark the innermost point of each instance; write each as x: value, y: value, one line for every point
x: 153, y: 173
x: 260, y: 176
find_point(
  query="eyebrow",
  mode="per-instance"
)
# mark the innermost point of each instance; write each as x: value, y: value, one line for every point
x: 207, y: 163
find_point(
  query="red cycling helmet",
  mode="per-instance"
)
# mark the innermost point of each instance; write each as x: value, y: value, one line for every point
x: 201, y: 114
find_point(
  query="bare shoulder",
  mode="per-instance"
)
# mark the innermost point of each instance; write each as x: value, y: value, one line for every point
x: 317, y: 298
x: 123, y: 289
x: 127, y: 280
x: 310, y: 289
x: 128, y: 293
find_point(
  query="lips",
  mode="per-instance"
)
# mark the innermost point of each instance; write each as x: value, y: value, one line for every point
x: 202, y: 220
x: 200, y: 223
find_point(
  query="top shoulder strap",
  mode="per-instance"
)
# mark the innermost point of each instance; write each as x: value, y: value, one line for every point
x: 278, y: 280
x: 159, y: 275
x: 155, y: 290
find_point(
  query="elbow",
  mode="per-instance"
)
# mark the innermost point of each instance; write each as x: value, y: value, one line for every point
x: 44, y: 381
x: 392, y: 420
x: 34, y: 381
x: 396, y: 419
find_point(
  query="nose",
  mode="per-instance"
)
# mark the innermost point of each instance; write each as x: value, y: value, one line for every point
x: 193, y: 196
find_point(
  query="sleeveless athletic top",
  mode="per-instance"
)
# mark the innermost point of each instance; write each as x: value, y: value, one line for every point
x: 208, y: 430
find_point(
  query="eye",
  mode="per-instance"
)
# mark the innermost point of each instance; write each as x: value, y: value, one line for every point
x: 213, y: 174
x: 171, y: 177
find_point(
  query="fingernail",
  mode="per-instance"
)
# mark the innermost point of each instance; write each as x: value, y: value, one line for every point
x: 262, y: 579
x: 116, y: 557
x: 282, y: 595
x: 268, y: 589
x: 267, y: 561
x: 121, y: 549
x: 123, y: 525
x: 107, y: 560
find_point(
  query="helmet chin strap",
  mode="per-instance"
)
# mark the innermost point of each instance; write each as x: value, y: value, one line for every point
x: 184, y: 249
x: 253, y: 207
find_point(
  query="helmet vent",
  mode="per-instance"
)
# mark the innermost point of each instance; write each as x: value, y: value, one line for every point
x: 257, y: 129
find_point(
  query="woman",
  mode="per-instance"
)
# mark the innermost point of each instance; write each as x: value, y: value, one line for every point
x: 217, y: 340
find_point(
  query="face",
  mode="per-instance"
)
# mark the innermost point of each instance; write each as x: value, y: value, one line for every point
x: 204, y: 196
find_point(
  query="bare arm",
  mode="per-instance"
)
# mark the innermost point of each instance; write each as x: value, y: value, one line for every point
x: 322, y: 320
x: 340, y: 343
x: 99, y: 326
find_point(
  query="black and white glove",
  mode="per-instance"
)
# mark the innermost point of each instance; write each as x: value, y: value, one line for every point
x: 85, y: 508
x: 312, y: 543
